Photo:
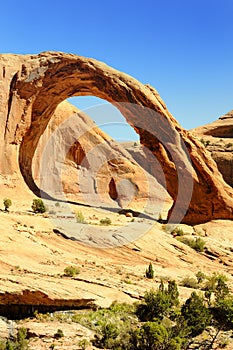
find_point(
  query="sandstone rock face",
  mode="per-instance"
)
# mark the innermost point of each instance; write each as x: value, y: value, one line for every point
x: 220, y: 128
x: 218, y: 140
x: 93, y: 155
x: 32, y: 87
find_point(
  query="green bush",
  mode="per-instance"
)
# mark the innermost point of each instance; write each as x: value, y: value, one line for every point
x: 229, y: 145
x: 150, y: 271
x: 109, y: 332
x: 19, y: 343
x: 7, y: 203
x: 38, y: 206
x: 189, y: 282
x: 80, y: 217
x: 22, y: 343
x: 178, y: 231
x: 71, y: 271
x: 59, y: 334
x: 196, y: 314
x: 223, y: 313
x: 205, y: 142
x: 198, y: 243
x: 216, y: 283
x: 158, y: 304
x: 105, y: 222
x: 83, y: 344
x: 200, y: 277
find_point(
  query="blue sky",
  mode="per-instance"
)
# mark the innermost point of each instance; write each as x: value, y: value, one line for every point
x: 184, y: 48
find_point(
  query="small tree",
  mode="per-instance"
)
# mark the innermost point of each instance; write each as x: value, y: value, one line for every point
x: 7, y: 203
x: 38, y: 206
x: 200, y: 277
x: 196, y: 314
x: 173, y: 293
x: 216, y: 283
x: 150, y: 271
x: 222, y: 315
x: 21, y: 338
x: 158, y: 304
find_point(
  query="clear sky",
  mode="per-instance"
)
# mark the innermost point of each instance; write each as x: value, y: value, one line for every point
x: 184, y: 48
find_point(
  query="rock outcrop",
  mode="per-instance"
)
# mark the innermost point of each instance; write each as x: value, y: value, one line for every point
x: 32, y: 87
x: 218, y: 140
x: 24, y: 304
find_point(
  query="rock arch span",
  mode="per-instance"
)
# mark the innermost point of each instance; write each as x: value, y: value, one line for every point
x: 42, y: 81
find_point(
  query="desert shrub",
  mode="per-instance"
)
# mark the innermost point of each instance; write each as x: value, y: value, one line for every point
x: 38, y: 206
x: 223, y: 313
x: 19, y: 343
x: 22, y: 343
x: 158, y: 304
x: 200, y: 277
x: 216, y: 283
x: 198, y: 243
x: 178, y: 231
x: 57, y: 204
x: 71, y: 271
x: 229, y: 145
x: 151, y: 335
x: 83, y: 344
x: 2, y: 345
x: 105, y: 222
x: 196, y: 314
x: 7, y: 203
x: 80, y: 217
x: 59, y: 334
x: 150, y: 271
x: 108, y: 333
x: 205, y: 142
x: 189, y: 282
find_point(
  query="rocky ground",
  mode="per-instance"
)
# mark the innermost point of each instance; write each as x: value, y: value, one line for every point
x: 33, y: 257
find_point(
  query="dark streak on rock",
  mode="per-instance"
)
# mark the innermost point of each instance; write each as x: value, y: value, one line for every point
x: 11, y: 93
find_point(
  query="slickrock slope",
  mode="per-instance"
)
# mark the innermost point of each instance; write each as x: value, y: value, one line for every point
x: 218, y: 139
x: 31, y: 88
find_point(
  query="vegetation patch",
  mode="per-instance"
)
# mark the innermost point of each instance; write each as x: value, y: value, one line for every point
x: 7, y: 203
x: 80, y: 217
x: 38, y: 206
x: 71, y: 271
x: 105, y: 222
x: 197, y: 243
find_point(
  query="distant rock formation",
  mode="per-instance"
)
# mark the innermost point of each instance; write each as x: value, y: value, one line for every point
x: 31, y: 88
x: 218, y: 140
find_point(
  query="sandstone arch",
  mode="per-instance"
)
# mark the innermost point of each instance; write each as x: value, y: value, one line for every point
x: 42, y: 81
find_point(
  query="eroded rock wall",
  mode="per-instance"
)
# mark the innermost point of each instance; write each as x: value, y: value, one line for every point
x: 218, y: 140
